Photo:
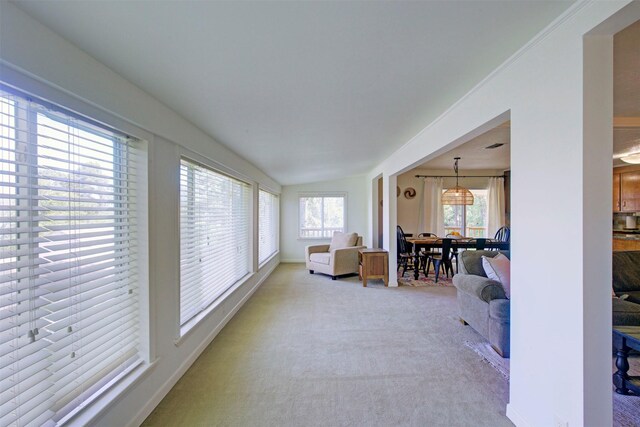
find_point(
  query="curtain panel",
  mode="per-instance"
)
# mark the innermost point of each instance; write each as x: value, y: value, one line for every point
x: 430, y: 209
x: 496, y: 206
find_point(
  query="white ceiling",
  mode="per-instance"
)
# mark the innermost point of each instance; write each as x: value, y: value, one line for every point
x: 626, y: 96
x: 307, y: 91
x: 626, y: 71
x: 626, y: 89
x: 475, y: 155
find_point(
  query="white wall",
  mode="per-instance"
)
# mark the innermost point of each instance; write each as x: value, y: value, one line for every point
x: 407, y: 213
x: 38, y: 61
x: 560, y: 363
x: 357, y: 190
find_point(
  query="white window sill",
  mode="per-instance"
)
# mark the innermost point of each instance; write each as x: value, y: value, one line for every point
x: 269, y: 258
x: 195, y: 321
x: 89, y: 413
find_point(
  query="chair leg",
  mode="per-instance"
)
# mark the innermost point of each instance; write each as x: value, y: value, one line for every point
x: 445, y: 265
x: 456, y: 257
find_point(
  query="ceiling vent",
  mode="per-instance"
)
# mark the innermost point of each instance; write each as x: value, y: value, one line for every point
x: 491, y: 147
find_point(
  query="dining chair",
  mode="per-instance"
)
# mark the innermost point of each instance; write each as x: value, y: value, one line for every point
x: 425, y: 253
x: 480, y: 243
x: 427, y: 235
x: 503, y: 234
x: 454, y: 250
x: 441, y: 260
x: 404, y: 250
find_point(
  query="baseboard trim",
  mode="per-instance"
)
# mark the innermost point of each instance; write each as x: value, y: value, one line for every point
x: 292, y: 261
x: 515, y: 417
x: 173, y: 379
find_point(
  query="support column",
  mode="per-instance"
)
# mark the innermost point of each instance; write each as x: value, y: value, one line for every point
x: 596, y: 234
x: 389, y: 205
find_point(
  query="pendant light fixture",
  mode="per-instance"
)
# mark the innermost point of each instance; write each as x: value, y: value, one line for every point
x: 457, y: 195
x: 631, y: 158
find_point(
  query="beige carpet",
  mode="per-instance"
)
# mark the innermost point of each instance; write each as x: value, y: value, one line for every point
x: 309, y: 351
x: 489, y: 355
x: 626, y: 409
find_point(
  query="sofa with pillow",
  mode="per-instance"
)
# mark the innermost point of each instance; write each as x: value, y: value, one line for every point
x: 483, y: 302
x: 626, y: 288
x: 337, y: 258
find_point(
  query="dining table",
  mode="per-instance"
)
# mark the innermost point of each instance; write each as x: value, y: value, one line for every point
x: 460, y: 243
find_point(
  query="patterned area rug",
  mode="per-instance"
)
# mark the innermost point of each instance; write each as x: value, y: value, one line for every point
x: 423, y: 280
x: 626, y: 409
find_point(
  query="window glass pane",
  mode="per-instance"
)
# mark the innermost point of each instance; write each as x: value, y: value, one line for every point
x: 320, y: 216
x: 267, y: 225
x: 453, y: 219
x: 476, y: 215
x: 469, y: 221
x: 311, y: 213
x: 333, y: 213
x: 214, y: 236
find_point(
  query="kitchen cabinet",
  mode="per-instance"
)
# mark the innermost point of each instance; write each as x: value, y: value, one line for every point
x: 616, y: 192
x: 625, y: 245
x: 626, y: 189
x: 630, y: 191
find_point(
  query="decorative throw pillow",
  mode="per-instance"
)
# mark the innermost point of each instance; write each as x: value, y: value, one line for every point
x: 498, y: 268
x: 343, y: 240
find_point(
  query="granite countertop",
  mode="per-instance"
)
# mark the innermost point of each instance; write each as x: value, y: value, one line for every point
x: 625, y: 235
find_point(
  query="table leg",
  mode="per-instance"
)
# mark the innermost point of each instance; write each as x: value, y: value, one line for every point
x: 621, y: 377
x: 386, y: 271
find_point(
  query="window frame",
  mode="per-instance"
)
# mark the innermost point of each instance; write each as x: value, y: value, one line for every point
x: 90, y: 116
x: 323, y: 194
x: 277, y: 226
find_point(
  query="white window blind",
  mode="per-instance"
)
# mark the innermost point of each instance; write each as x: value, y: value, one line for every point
x: 68, y: 260
x: 267, y: 225
x: 321, y: 216
x: 214, y: 236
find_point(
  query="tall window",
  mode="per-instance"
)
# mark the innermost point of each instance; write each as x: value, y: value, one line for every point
x: 320, y: 216
x: 69, y: 316
x: 470, y: 221
x: 267, y: 225
x: 214, y: 236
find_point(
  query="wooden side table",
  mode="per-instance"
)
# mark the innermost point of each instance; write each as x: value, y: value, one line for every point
x: 374, y: 264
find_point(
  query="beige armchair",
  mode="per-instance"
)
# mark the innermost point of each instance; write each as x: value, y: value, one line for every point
x: 336, y: 259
